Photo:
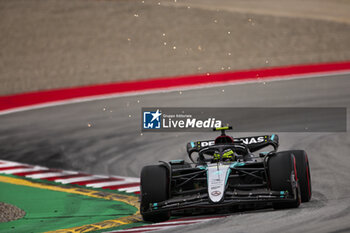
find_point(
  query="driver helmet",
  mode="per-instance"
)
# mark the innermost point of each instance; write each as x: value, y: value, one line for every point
x: 227, y: 155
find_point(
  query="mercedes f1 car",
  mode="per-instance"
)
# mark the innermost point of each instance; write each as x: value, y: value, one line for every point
x: 225, y: 172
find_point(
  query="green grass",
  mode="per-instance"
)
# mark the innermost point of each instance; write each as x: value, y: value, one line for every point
x: 48, y: 210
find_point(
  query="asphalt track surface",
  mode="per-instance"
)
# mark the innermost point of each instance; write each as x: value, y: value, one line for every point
x: 103, y: 137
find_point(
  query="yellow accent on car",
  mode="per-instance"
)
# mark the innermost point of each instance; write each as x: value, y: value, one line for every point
x: 222, y: 128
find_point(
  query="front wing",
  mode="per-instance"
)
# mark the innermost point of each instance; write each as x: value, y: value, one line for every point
x: 231, y: 198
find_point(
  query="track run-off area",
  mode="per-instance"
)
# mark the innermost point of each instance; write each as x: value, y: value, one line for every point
x: 96, y: 130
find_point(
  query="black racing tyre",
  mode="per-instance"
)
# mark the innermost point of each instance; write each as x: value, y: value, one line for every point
x: 282, y: 169
x: 154, y: 188
x: 304, y: 177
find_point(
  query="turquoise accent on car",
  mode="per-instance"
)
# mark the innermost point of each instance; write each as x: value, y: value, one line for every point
x: 235, y: 164
x: 155, y: 206
x: 202, y: 167
x: 272, y: 136
x: 228, y: 174
x: 218, y: 173
x: 283, y: 193
x: 176, y: 161
x: 192, y: 144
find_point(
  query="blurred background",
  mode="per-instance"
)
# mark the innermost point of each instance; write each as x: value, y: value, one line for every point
x: 47, y: 44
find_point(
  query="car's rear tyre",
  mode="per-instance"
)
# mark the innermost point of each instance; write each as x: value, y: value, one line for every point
x: 283, y: 177
x: 304, y: 177
x: 154, y: 188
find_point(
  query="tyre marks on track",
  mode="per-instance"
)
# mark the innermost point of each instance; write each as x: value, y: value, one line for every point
x: 120, y: 183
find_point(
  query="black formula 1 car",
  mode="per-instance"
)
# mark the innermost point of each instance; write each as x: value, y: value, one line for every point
x: 225, y: 173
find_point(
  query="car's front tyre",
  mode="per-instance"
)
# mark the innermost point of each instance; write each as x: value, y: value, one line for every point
x: 154, y: 188
x: 283, y: 177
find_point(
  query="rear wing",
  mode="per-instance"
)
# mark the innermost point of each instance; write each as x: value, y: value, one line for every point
x: 253, y: 143
x: 258, y: 142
